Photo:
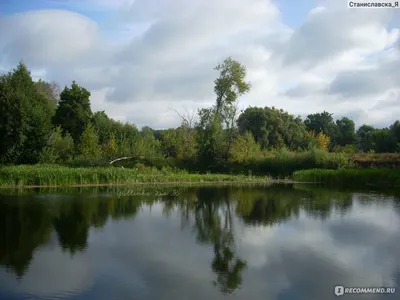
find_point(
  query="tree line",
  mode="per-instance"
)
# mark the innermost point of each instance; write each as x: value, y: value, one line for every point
x: 40, y: 123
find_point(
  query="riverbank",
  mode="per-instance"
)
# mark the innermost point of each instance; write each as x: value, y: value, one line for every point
x: 382, y: 177
x: 55, y: 175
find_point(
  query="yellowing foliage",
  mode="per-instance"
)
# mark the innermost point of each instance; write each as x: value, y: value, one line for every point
x: 321, y: 140
x: 110, y: 148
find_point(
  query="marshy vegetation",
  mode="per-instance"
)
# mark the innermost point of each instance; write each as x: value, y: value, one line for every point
x: 351, y: 177
x: 25, y: 175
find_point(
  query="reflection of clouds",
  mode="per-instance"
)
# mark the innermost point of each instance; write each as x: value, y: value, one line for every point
x: 50, y: 273
x: 255, y: 243
x: 378, y: 213
x: 307, y: 257
x: 151, y: 257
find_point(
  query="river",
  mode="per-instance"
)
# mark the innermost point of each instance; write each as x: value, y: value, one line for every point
x: 246, y: 242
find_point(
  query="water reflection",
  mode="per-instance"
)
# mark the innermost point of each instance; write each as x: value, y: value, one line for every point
x: 30, y: 222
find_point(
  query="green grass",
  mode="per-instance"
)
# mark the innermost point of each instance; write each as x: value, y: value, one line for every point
x: 347, y: 177
x: 283, y: 163
x: 55, y: 175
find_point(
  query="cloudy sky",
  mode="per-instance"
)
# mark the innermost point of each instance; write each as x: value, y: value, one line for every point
x: 140, y: 58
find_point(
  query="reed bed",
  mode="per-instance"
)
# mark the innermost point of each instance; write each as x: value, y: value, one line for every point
x: 282, y: 164
x: 55, y: 175
x: 346, y: 177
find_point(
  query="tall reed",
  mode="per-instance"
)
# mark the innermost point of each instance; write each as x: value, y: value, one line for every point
x: 346, y: 177
x: 37, y: 175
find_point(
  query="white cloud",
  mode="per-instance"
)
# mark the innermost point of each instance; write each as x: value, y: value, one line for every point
x: 47, y: 38
x: 151, y: 55
x: 59, y: 273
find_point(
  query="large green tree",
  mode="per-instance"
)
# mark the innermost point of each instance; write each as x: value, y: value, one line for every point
x: 50, y: 90
x: 217, y: 125
x: 228, y: 87
x: 103, y: 125
x: 25, y: 117
x: 273, y: 128
x: 73, y: 112
x: 364, y: 138
x: 254, y: 120
x: 384, y: 141
x: 345, y: 132
x: 230, y: 84
x: 88, y: 145
x: 210, y: 138
x: 322, y: 122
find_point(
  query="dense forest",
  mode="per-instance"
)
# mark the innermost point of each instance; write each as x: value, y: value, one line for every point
x: 40, y: 123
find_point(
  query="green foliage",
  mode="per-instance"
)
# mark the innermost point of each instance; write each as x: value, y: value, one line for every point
x: 283, y: 163
x: 124, y: 135
x: 73, y: 112
x: 364, y: 138
x: 320, y: 140
x: 244, y: 148
x: 103, y: 126
x: 345, y: 149
x: 395, y: 131
x: 221, y: 140
x: 59, y: 149
x: 322, y: 122
x: 228, y: 87
x: 88, y: 146
x: 210, y: 138
x: 25, y: 117
x: 273, y: 128
x: 230, y: 84
x: 370, y: 176
x: 147, y: 146
x: 59, y: 175
x: 50, y: 90
x: 345, y: 132
x: 383, y: 141
x: 180, y: 143
x: 110, y: 148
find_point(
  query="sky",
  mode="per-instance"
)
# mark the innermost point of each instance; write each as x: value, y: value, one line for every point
x: 143, y: 59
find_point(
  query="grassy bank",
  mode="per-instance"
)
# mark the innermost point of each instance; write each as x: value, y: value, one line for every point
x: 284, y: 163
x: 346, y: 177
x: 39, y: 175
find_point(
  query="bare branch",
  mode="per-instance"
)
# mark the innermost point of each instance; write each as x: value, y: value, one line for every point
x: 118, y: 159
x: 188, y: 118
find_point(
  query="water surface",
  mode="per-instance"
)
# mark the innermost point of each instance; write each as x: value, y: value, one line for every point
x: 277, y: 242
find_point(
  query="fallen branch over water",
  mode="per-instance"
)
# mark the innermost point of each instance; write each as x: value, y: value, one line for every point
x: 118, y: 159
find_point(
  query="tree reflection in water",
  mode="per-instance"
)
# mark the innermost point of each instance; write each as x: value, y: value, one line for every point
x: 26, y: 223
